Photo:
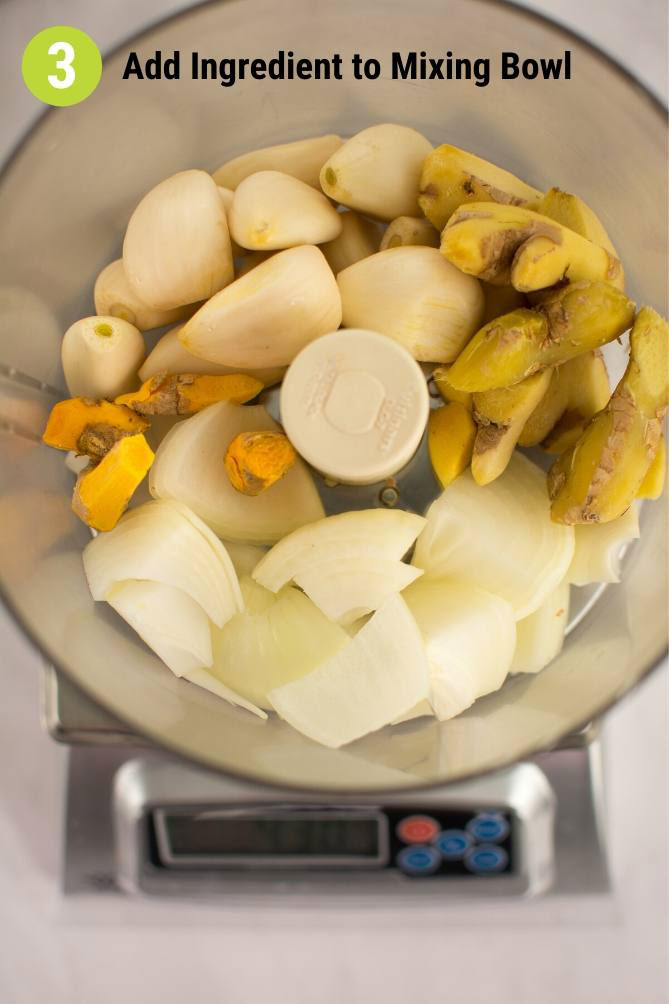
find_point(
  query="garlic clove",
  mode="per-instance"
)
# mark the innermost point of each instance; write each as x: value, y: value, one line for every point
x: 177, y: 246
x: 302, y: 159
x: 378, y: 171
x: 407, y: 294
x: 250, y: 259
x: 410, y: 230
x: 267, y: 316
x: 101, y: 356
x: 227, y: 195
x: 169, y: 356
x: 358, y: 239
x: 271, y: 210
x: 114, y: 296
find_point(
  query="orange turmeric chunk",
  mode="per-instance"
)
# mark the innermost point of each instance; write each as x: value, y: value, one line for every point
x: 186, y: 393
x: 102, y: 493
x: 256, y: 460
x: 90, y: 427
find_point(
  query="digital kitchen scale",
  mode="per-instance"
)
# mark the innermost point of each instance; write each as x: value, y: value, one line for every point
x: 141, y: 821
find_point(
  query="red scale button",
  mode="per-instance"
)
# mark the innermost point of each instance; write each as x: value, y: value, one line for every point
x: 417, y: 829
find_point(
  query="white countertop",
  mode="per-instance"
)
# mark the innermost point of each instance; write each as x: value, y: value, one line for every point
x: 111, y: 949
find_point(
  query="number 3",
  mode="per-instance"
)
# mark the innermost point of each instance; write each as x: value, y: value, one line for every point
x: 64, y: 64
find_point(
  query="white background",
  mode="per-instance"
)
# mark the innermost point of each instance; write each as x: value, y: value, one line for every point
x: 110, y: 950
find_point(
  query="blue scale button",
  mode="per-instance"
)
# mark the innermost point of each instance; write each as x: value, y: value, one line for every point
x: 490, y: 827
x: 453, y: 844
x: 419, y: 859
x: 486, y: 859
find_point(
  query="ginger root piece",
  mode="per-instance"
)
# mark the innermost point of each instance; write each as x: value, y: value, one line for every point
x: 575, y: 319
x: 500, y: 300
x: 452, y: 177
x: 510, y: 244
x: 565, y: 433
x: 450, y: 440
x: 102, y: 493
x: 409, y: 230
x: 255, y: 461
x: 653, y: 483
x: 188, y: 393
x: 91, y: 427
x: 500, y: 416
x: 578, y: 389
x: 598, y: 478
x: 448, y: 391
x: 573, y: 213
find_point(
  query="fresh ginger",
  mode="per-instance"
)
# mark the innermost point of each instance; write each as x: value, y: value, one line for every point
x: 90, y: 427
x: 500, y: 416
x: 578, y: 390
x: 102, y: 493
x: 255, y: 461
x: 188, y: 393
x: 450, y: 439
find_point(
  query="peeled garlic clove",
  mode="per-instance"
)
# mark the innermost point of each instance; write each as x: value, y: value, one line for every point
x: 169, y: 356
x: 114, y: 296
x: 227, y: 195
x: 539, y: 637
x: 378, y: 171
x: 358, y: 239
x: 177, y: 246
x: 101, y: 356
x: 410, y: 230
x: 407, y: 294
x: 302, y: 159
x: 271, y: 210
x: 267, y: 316
x: 250, y: 259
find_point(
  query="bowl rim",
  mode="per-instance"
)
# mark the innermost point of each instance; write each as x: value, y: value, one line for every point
x: 179, y: 749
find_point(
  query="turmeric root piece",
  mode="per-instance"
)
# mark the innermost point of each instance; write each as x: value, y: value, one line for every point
x: 452, y: 177
x: 598, y: 478
x: 573, y: 213
x: 255, y: 461
x: 512, y: 245
x: 409, y: 230
x: 448, y: 391
x: 450, y: 439
x: 90, y: 427
x: 575, y: 319
x: 580, y: 387
x: 653, y: 483
x: 500, y: 416
x: 102, y: 493
x: 188, y: 393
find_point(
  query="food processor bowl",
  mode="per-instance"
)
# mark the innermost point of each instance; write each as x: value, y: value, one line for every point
x: 65, y: 198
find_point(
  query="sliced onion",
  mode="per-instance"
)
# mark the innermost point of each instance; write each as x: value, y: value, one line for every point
x: 243, y: 556
x: 470, y: 636
x: 277, y: 639
x: 541, y: 635
x: 373, y: 680
x: 189, y: 467
x: 159, y: 543
x: 599, y: 548
x: 168, y: 620
x: 368, y: 533
x: 203, y: 678
x: 499, y: 536
x: 348, y: 588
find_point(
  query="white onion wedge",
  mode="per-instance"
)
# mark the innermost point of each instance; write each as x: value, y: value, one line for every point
x: 205, y: 679
x: 271, y: 210
x: 177, y: 245
x: 348, y: 588
x: 378, y: 171
x: 189, y: 467
x: 499, y: 536
x: 358, y: 239
x: 265, y: 317
x: 369, y: 533
x: 413, y: 295
x: 469, y: 635
x: 169, y: 356
x: 376, y: 678
x: 276, y: 640
x: 302, y: 159
x: 599, y: 548
x: 114, y: 296
x: 244, y: 557
x: 541, y: 635
x: 158, y: 542
x: 168, y: 620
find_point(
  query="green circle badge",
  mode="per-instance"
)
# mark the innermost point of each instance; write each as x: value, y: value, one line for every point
x: 61, y: 66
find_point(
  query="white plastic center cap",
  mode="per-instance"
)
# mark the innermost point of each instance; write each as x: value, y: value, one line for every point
x: 354, y: 404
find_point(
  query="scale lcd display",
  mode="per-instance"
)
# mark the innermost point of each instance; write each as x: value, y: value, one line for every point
x: 305, y: 836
